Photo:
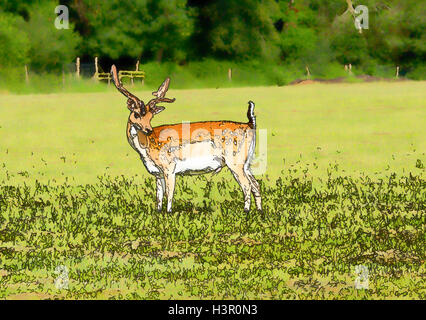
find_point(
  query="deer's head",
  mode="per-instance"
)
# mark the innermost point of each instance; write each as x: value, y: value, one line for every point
x: 141, y: 114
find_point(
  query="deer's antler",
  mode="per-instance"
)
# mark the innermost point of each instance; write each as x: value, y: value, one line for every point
x: 160, y: 94
x: 132, y: 101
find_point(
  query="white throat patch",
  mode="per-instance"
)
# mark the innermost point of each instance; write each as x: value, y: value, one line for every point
x: 133, y: 131
x: 143, y: 152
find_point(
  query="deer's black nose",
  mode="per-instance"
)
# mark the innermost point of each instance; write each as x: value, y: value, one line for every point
x: 148, y: 132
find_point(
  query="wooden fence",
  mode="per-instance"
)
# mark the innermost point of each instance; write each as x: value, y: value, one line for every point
x: 99, y: 76
x: 138, y: 74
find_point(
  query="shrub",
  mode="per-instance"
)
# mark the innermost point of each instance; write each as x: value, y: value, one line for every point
x: 14, y: 43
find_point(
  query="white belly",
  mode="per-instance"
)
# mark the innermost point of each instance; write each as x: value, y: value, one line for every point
x: 197, y: 165
x: 198, y: 158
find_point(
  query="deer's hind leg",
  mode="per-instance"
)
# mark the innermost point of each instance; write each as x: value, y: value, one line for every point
x: 244, y: 182
x: 255, y: 188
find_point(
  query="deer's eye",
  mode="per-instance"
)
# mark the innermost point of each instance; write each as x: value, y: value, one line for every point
x: 137, y: 115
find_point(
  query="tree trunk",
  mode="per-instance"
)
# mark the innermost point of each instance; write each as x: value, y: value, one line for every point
x: 160, y: 54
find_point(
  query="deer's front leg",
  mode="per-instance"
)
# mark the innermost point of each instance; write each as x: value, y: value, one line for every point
x: 170, y: 179
x: 160, y: 192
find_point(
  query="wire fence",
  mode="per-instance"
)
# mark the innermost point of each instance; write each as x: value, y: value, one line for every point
x: 92, y: 70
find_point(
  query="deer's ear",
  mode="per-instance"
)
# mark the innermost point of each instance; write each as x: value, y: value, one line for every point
x: 157, y: 109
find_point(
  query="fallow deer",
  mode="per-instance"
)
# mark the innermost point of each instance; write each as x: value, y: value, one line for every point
x: 190, y: 148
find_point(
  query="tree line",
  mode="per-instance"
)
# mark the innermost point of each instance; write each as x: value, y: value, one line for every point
x: 180, y: 31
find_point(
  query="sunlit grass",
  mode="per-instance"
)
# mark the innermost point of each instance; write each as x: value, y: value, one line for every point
x: 364, y: 127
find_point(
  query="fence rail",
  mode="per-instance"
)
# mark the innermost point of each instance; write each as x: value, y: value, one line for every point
x: 99, y: 76
x: 92, y: 70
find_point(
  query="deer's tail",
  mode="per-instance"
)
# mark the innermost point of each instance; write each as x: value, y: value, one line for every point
x: 250, y: 115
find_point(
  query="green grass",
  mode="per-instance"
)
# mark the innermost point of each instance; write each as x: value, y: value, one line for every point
x: 306, y: 245
x: 344, y: 187
x: 207, y: 73
x: 362, y: 126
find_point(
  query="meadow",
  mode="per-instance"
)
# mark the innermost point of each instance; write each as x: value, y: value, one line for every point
x: 344, y: 187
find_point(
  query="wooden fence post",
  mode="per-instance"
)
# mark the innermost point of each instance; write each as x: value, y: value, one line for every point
x: 137, y: 69
x: 308, y: 73
x: 27, y: 77
x: 63, y: 76
x: 77, y: 68
x: 96, y: 68
x: 230, y: 74
x: 397, y: 72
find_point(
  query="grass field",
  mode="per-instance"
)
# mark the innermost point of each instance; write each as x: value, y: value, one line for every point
x: 344, y: 187
x: 363, y: 127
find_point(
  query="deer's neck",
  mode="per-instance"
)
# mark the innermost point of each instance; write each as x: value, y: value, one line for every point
x: 134, y: 135
x: 141, y: 144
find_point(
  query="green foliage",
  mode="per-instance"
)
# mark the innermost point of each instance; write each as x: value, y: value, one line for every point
x: 239, y: 29
x: 298, y: 43
x: 210, y: 73
x: 348, y: 44
x: 418, y: 72
x: 18, y: 7
x: 157, y: 29
x: 14, y: 43
x: 50, y: 47
x: 404, y: 26
x: 14, y: 81
x: 293, y: 34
